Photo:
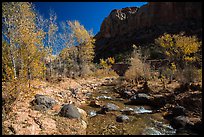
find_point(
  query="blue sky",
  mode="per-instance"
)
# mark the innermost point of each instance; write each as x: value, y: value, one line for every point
x: 89, y: 14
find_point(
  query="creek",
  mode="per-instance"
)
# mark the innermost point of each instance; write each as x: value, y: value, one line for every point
x: 137, y: 120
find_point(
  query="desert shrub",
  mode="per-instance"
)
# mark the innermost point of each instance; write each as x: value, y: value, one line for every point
x: 189, y: 74
x: 139, y: 69
x: 100, y: 73
x: 104, y: 68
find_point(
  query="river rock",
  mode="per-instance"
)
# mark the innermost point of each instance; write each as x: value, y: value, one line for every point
x: 69, y: 111
x: 151, y: 131
x: 141, y: 99
x: 92, y: 113
x: 94, y: 103
x: 109, y: 107
x: 141, y: 110
x: 127, y: 94
x: 122, y: 118
x: 178, y: 111
x: 180, y: 122
x: 103, y: 97
x: 127, y: 111
x: 42, y: 102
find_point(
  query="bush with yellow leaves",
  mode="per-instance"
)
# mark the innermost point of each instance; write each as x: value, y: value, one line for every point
x: 178, y: 48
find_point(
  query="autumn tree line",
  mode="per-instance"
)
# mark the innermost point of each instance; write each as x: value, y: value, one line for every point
x: 29, y: 41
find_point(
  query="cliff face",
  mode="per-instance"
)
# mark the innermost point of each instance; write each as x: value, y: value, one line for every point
x: 134, y: 25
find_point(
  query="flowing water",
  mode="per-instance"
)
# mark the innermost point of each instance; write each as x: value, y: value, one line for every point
x: 142, y: 119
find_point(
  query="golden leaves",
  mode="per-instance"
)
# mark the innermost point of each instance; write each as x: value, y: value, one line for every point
x: 179, y: 46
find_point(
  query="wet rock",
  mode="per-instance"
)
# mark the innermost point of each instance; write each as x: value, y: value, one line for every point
x: 151, y: 131
x: 122, y: 118
x: 103, y: 97
x: 69, y: 111
x: 42, y: 102
x: 141, y: 110
x: 141, y: 99
x: 94, y: 103
x: 165, y: 129
x: 109, y: 107
x: 178, y: 111
x: 127, y: 111
x: 158, y: 100
x: 127, y: 94
x: 179, y: 122
x: 92, y: 113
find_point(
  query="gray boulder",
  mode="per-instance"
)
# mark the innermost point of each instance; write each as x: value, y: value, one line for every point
x: 178, y: 111
x: 141, y: 99
x: 43, y: 102
x: 109, y: 107
x: 69, y: 111
x: 180, y: 122
x: 122, y: 118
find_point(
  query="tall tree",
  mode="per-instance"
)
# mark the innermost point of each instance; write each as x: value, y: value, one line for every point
x: 86, y: 46
x: 10, y: 20
x: 51, y: 36
x: 25, y: 38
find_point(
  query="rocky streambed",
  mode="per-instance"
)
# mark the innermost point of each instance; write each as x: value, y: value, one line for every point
x: 109, y: 113
x: 101, y: 107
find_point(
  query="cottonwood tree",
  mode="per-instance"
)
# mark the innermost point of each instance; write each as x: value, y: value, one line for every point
x: 51, y: 37
x: 25, y: 39
x: 66, y: 41
x: 178, y: 48
x: 86, y: 46
x: 10, y: 19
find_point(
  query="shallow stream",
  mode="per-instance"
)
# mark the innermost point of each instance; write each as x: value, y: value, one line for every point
x: 141, y: 121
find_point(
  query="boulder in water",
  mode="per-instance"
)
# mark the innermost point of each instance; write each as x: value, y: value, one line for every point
x: 109, y: 107
x: 178, y: 111
x: 151, y: 131
x: 103, y: 97
x: 180, y: 122
x: 141, y: 110
x: 141, y: 99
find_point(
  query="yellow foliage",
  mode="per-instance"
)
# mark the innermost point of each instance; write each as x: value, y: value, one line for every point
x: 107, y: 63
x: 178, y: 47
x: 173, y: 67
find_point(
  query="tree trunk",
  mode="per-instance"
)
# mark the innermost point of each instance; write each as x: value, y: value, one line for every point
x: 13, y: 60
x: 50, y: 67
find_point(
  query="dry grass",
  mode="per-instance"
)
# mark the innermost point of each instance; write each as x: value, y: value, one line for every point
x: 100, y: 73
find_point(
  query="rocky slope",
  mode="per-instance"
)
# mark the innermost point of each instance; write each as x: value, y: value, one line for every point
x: 131, y: 25
x: 44, y: 110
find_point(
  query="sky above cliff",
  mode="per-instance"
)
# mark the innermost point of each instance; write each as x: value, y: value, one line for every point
x: 89, y: 14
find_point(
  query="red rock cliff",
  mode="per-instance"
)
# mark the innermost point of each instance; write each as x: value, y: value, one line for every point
x: 141, y: 26
x: 125, y: 20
